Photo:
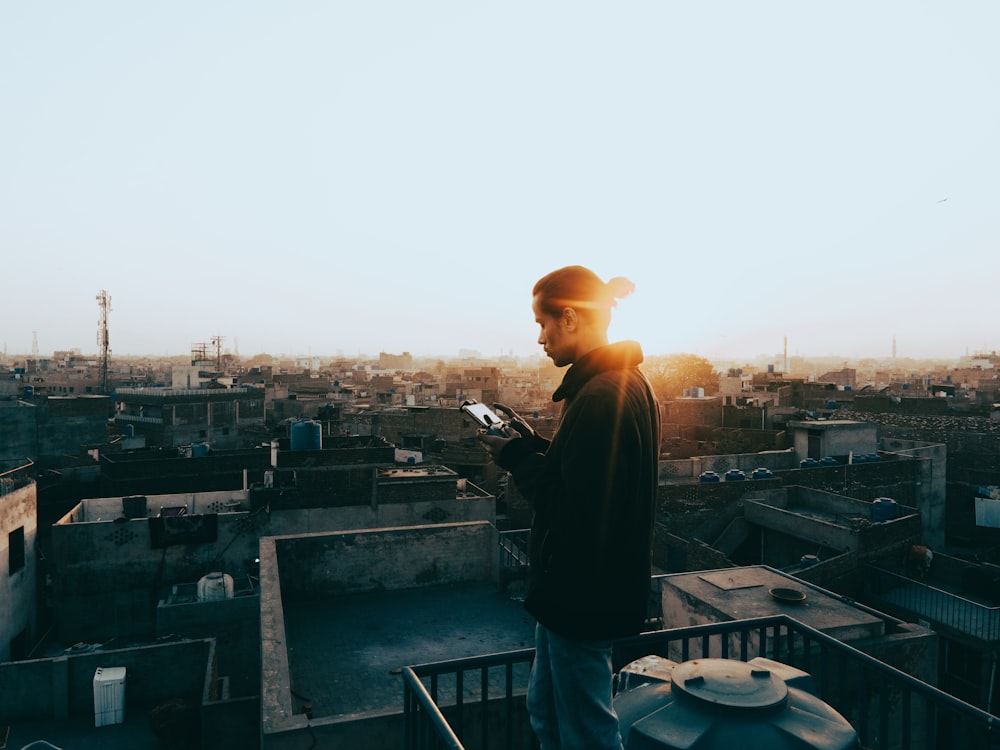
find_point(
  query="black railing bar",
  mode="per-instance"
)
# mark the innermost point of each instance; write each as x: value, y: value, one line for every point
x: 484, y: 700
x: 459, y: 699
x: 21, y: 467
x: 864, y: 699
x: 829, y: 641
x: 906, y: 718
x: 433, y: 716
x: 659, y: 638
x: 947, y: 594
x: 472, y: 662
x: 824, y: 670
x: 408, y: 722
x: 509, y: 695
x: 883, y: 707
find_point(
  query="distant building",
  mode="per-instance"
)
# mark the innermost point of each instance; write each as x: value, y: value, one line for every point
x: 47, y: 428
x: 172, y: 417
x: 18, y: 564
x: 402, y: 361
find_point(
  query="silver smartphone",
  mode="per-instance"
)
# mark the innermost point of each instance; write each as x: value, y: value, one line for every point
x: 484, y: 416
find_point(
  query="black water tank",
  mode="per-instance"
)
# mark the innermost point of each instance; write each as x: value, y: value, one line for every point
x: 719, y: 704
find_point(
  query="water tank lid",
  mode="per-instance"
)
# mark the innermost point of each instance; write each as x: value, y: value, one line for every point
x: 729, y: 682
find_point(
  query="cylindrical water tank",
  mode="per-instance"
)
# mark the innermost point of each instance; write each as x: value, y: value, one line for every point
x: 716, y: 704
x: 215, y: 587
x: 884, y: 509
x: 307, y: 435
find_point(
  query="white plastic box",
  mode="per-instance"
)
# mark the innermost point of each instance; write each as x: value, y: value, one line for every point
x: 109, y: 696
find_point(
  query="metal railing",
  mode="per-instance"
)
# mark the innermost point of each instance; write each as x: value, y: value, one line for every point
x: 514, y: 549
x: 478, y: 703
x: 123, y: 417
x: 17, y: 477
x: 935, y: 605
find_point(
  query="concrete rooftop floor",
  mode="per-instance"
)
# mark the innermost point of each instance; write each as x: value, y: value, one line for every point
x: 342, y: 650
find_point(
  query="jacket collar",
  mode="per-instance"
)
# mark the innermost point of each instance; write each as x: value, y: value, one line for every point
x: 617, y: 356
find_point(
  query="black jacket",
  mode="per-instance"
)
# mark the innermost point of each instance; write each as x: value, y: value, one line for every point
x: 593, y: 492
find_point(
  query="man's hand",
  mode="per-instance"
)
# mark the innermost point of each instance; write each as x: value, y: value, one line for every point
x: 515, y: 420
x: 494, y: 444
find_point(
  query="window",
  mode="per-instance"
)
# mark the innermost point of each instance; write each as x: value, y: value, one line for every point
x: 15, y: 542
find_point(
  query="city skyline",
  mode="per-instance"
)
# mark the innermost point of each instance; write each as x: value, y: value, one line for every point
x: 230, y: 352
x: 361, y: 178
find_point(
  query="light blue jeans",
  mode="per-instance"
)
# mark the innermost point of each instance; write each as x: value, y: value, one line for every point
x: 569, y: 694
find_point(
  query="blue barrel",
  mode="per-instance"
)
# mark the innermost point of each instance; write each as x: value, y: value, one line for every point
x: 884, y: 509
x: 307, y: 435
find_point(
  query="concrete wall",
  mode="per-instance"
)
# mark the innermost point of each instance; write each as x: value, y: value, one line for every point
x: 109, y: 579
x: 836, y: 438
x: 235, y: 626
x: 65, y: 423
x: 50, y: 427
x: 930, y: 486
x: 60, y: 689
x: 18, y: 611
x: 345, y: 563
x: 350, y: 562
x: 834, y: 521
x: 18, y: 431
x: 683, y: 468
x: 63, y: 687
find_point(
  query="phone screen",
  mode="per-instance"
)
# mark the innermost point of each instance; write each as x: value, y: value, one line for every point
x: 482, y: 414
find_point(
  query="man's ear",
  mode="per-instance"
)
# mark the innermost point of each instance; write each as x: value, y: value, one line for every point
x: 570, y: 319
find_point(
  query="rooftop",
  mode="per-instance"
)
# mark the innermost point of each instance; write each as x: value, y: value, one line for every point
x: 759, y: 591
x: 343, y: 650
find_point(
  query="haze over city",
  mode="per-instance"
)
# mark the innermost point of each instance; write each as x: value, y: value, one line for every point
x: 364, y: 177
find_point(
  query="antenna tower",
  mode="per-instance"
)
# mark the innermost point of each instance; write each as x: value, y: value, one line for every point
x: 34, y: 344
x: 217, y: 341
x: 104, y: 302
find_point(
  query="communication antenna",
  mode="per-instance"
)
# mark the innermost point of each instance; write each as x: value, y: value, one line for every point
x: 104, y: 302
x: 34, y: 344
x: 217, y: 342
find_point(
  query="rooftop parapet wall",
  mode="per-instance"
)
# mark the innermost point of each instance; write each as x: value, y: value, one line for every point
x: 341, y: 563
x: 835, y: 521
x: 350, y: 562
x: 62, y: 687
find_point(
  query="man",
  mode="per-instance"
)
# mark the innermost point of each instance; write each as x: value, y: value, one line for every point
x: 592, y: 489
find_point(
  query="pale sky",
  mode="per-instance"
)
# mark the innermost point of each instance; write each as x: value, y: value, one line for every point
x: 323, y: 177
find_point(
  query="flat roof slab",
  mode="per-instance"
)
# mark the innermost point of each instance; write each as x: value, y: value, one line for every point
x: 745, y: 593
x: 342, y: 650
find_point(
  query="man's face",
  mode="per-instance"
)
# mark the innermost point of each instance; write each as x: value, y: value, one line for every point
x: 554, y: 336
